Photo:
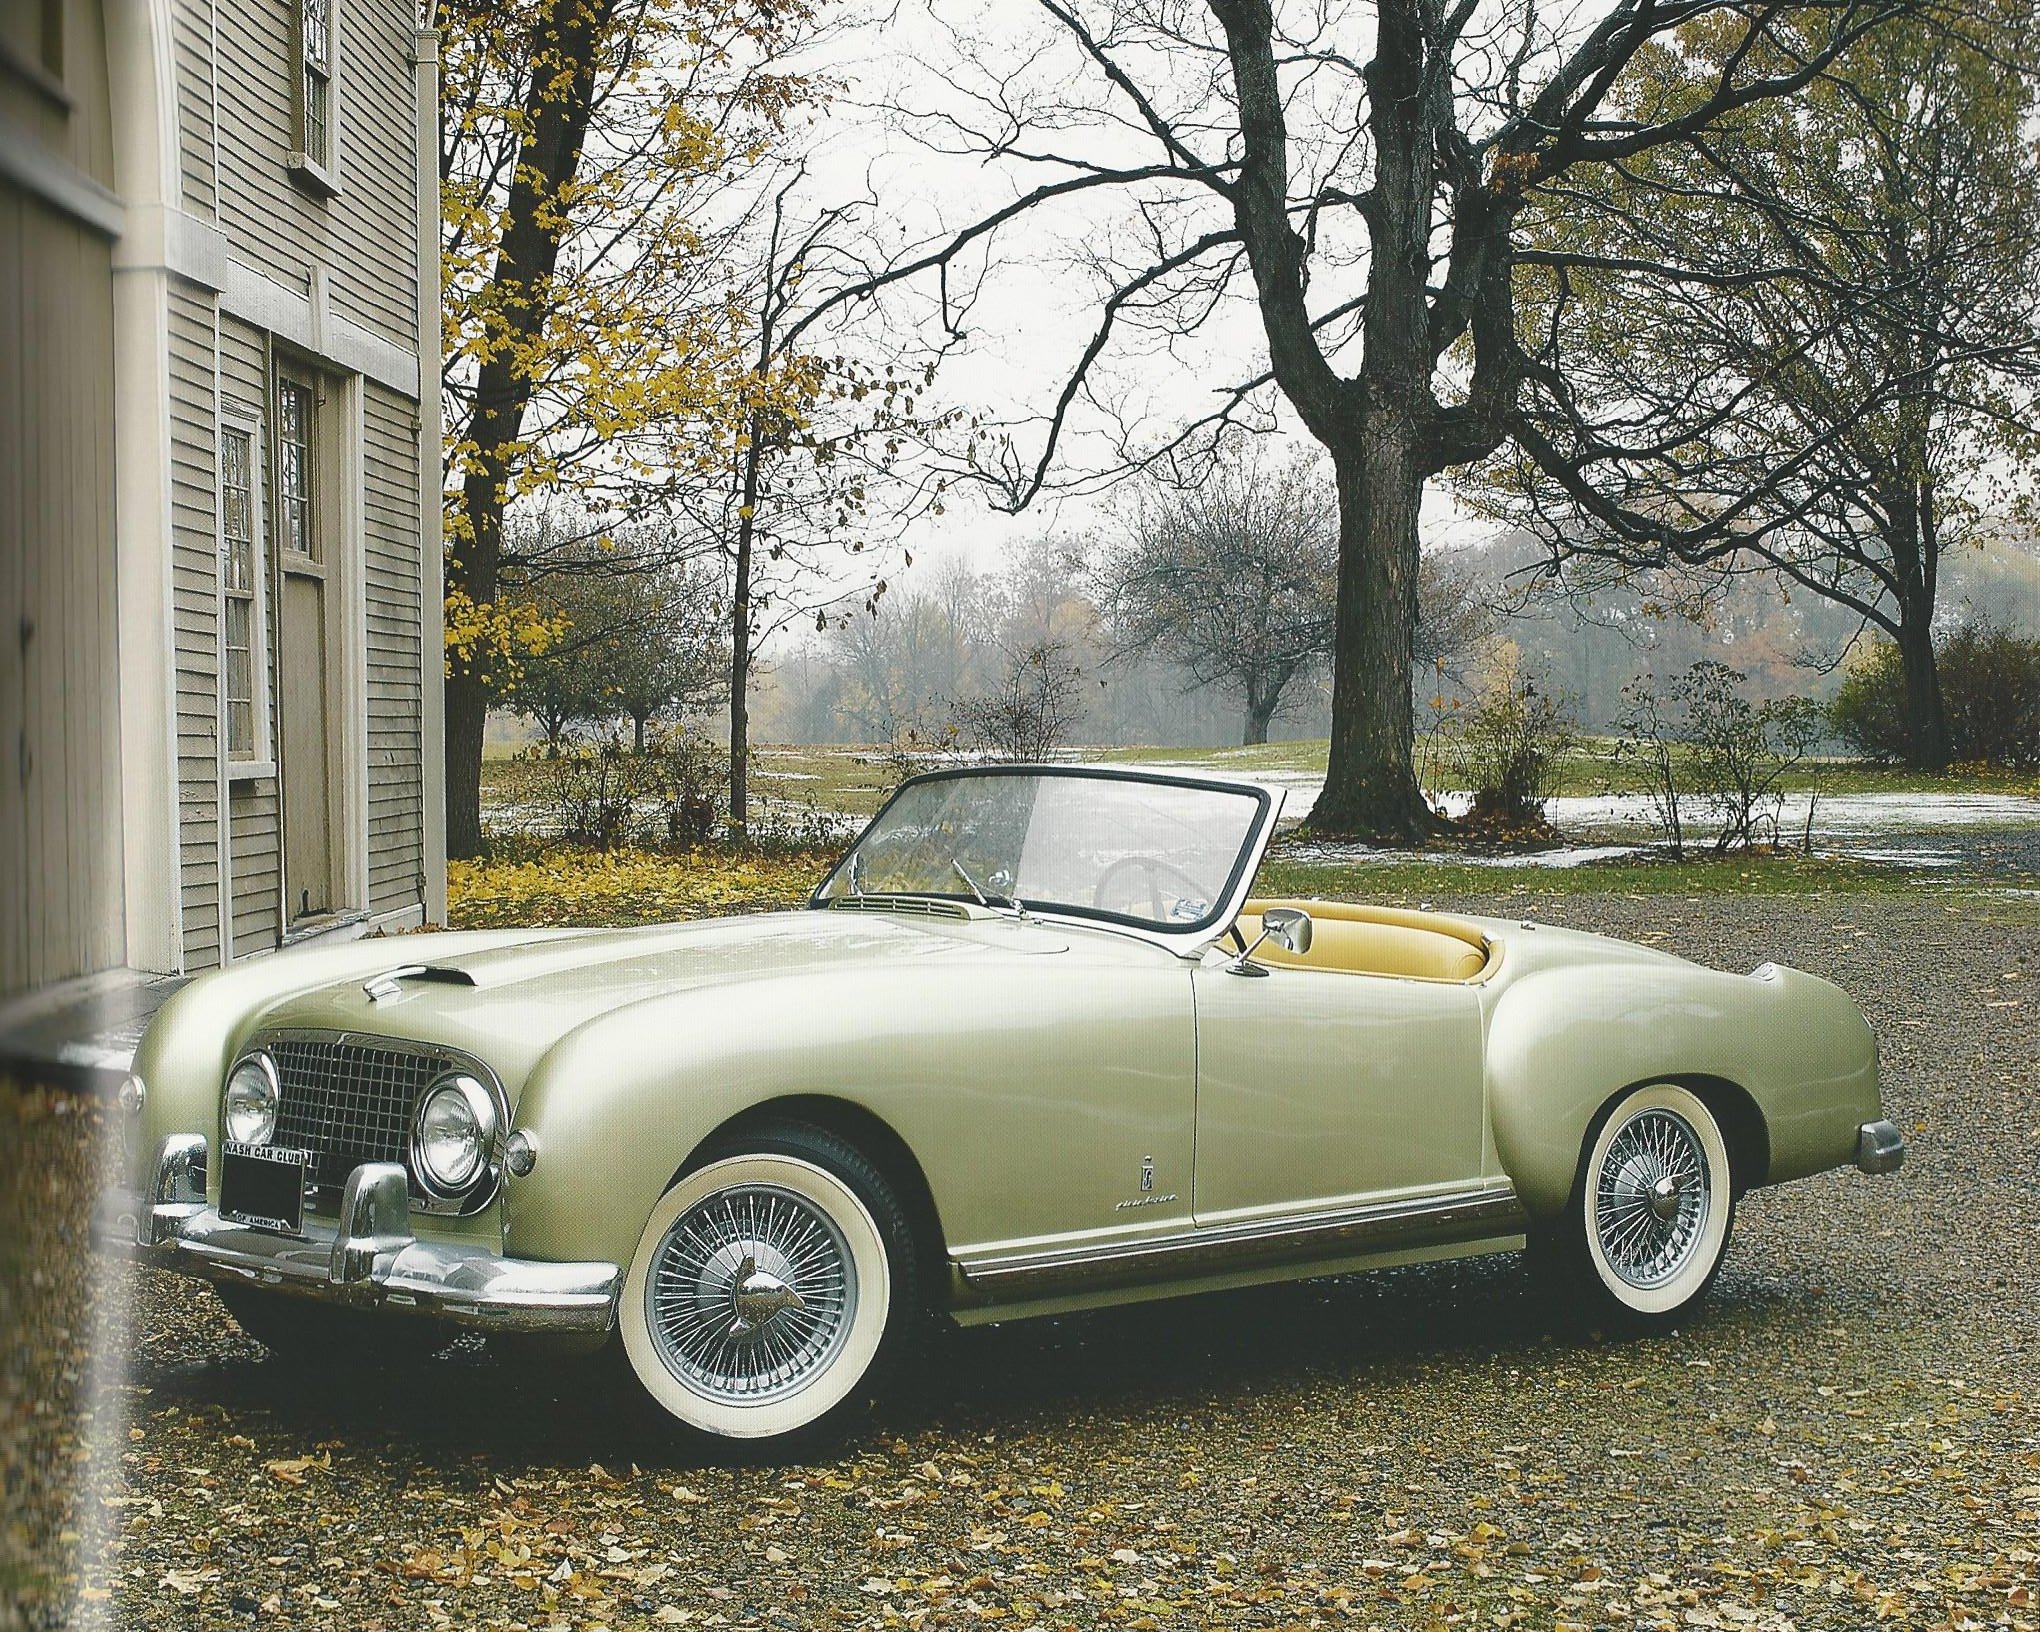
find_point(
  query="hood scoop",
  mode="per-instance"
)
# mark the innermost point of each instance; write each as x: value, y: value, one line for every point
x: 390, y: 983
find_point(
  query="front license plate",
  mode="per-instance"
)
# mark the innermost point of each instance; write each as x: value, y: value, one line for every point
x: 264, y: 1186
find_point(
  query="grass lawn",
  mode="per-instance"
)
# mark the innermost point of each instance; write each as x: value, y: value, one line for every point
x: 533, y: 882
x: 566, y: 887
x: 792, y: 781
x: 1592, y: 768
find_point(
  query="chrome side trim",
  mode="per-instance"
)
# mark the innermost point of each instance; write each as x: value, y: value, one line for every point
x: 1465, y: 1215
x: 1880, y: 1147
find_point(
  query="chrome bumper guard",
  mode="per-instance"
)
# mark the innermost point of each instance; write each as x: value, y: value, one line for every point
x: 368, y: 1259
x: 1880, y: 1147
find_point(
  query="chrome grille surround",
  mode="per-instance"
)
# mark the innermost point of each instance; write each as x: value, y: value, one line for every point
x: 351, y: 1097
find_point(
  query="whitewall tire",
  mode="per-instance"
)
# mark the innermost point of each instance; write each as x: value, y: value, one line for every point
x: 770, y: 1289
x: 1649, y: 1220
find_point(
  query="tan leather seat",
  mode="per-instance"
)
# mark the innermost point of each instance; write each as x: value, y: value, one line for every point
x: 1376, y: 941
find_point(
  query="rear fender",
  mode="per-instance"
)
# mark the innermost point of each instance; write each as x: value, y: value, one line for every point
x: 1563, y: 1042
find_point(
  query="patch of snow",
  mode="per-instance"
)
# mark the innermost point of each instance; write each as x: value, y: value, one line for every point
x: 1570, y: 856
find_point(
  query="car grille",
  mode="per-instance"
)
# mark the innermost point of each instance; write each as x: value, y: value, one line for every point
x: 348, y: 1102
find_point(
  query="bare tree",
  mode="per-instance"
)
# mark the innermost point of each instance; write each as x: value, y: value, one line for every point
x: 636, y: 627
x: 1803, y: 346
x: 1457, y: 613
x: 1360, y: 173
x: 817, y: 460
x: 1235, y: 578
x: 1032, y: 712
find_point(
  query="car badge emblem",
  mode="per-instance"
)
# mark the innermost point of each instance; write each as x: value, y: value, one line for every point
x: 1147, y: 1173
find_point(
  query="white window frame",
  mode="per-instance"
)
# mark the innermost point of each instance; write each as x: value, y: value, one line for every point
x: 237, y: 419
x: 318, y: 173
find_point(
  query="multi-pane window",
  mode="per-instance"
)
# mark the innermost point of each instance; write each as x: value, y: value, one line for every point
x: 294, y: 466
x: 240, y: 582
x: 315, y: 49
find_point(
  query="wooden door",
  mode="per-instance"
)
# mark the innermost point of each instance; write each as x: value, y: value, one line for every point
x: 303, y: 659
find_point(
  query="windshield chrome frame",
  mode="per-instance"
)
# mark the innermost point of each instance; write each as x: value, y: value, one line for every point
x: 1184, y: 943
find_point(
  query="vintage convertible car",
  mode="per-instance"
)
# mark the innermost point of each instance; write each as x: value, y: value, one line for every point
x: 1030, y: 1048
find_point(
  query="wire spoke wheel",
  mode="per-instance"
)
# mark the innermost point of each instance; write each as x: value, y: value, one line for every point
x: 1648, y: 1222
x: 1652, y: 1198
x: 753, y: 1292
x: 772, y: 1288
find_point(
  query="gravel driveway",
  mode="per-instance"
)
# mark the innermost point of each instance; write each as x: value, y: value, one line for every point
x: 1848, y: 1434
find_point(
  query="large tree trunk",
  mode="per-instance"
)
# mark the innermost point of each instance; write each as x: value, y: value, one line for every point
x: 1371, y: 781
x: 557, y: 116
x: 1913, y: 538
x: 467, y: 713
x: 1260, y: 710
x: 1926, y: 716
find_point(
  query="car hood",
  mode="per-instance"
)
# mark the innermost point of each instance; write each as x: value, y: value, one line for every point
x: 507, y: 999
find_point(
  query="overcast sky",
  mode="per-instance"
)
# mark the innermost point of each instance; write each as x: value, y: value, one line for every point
x: 1039, y: 301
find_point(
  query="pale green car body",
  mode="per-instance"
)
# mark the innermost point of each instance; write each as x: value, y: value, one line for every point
x: 1079, y: 1114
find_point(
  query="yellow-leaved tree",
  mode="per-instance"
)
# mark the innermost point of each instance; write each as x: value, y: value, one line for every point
x: 596, y: 165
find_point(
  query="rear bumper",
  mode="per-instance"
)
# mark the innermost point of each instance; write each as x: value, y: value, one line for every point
x: 1880, y: 1147
x: 368, y: 1258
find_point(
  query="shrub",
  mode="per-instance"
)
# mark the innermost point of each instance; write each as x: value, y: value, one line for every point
x: 1648, y: 738
x: 691, y: 774
x: 1990, y: 690
x: 1033, y: 713
x: 1990, y: 686
x: 1868, y: 713
x: 1703, y: 742
x: 1506, y: 749
x: 590, y: 791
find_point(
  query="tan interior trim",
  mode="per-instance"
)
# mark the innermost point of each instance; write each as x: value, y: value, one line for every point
x: 1387, y: 941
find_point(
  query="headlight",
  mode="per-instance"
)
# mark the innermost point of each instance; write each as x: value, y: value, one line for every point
x: 252, y: 1098
x: 455, y: 1128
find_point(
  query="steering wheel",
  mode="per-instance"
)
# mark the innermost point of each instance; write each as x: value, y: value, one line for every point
x: 1155, y: 871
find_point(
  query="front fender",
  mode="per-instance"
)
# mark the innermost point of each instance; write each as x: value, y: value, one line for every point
x: 1029, y: 1094
x: 1563, y: 1042
x: 184, y: 1054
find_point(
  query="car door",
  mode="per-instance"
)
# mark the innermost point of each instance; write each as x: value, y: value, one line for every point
x: 1322, y: 1089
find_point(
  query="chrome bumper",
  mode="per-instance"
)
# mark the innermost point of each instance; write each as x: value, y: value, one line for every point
x: 1880, y: 1147
x: 368, y: 1258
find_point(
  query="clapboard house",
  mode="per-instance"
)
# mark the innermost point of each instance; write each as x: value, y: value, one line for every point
x: 219, y: 480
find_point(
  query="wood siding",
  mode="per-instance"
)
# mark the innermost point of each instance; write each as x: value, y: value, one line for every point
x: 239, y: 246
x: 391, y: 570
x: 195, y: 601
x: 193, y: 25
x: 60, y: 795
x: 364, y: 242
x: 365, y: 237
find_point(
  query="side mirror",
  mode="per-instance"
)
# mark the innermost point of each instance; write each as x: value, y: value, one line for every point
x: 1288, y: 927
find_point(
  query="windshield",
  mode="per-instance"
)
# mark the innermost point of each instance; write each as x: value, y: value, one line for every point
x: 1156, y: 853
